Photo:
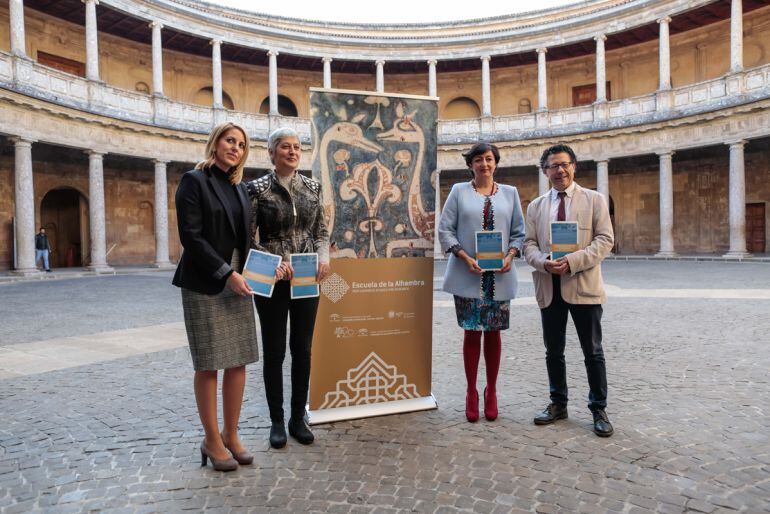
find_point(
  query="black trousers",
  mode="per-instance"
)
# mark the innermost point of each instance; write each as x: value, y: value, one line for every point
x: 587, y: 319
x: 273, y: 313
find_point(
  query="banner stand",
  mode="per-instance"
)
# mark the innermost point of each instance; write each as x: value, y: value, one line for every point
x: 370, y: 410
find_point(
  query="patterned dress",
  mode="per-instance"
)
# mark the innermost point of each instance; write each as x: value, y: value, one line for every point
x: 484, y: 313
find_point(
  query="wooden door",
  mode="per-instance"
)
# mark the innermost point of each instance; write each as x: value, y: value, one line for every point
x: 755, y: 227
x: 586, y: 95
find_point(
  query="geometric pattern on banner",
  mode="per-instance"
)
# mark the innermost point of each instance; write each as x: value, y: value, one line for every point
x: 372, y: 381
x: 334, y: 287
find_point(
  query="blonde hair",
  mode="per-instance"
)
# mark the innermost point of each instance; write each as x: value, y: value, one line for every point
x: 211, y: 150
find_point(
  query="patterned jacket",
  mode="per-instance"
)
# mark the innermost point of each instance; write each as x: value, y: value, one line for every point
x: 285, y: 222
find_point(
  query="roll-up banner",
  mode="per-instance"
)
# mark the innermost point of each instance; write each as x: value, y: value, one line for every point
x: 375, y: 156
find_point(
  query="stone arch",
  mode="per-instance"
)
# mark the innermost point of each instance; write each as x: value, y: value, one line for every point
x: 205, y: 96
x: 285, y: 106
x: 461, y: 107
x: 64, y: 215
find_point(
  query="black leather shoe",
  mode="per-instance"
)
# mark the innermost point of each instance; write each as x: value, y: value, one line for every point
x: 277, y: 435
x: 551, y: 413
x: 299, y: 430
x: 602, y: 425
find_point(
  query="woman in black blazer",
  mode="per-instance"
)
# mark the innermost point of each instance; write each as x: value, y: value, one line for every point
x: 213, y: 213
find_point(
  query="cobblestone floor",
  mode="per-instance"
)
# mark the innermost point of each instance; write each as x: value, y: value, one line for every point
x: 689, y: 390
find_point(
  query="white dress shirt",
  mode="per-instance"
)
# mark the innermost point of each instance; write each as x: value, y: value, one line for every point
x: 567, y: 201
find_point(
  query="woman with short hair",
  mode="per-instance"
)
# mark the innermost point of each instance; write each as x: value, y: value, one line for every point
x: 482, y: 298
x: 213, y: 214
x: 287, y: 218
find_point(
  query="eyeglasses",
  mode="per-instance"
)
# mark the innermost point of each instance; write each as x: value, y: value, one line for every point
x: 556, y: 166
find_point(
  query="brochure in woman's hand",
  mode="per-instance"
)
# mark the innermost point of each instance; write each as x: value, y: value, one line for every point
x: 259, y: 271
x: 304, y: 283
x: 489, y: 249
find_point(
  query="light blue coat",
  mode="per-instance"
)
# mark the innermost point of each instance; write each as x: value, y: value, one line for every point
x: 461, y: 217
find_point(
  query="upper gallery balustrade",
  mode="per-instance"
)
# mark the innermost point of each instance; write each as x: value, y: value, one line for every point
x: 37, y: 81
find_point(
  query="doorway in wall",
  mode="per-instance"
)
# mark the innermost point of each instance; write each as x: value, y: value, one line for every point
x: 64, y: 215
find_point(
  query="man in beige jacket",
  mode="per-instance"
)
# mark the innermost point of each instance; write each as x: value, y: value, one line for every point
x: 570, y: 284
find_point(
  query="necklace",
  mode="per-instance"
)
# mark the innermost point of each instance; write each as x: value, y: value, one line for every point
x: 492, y: 192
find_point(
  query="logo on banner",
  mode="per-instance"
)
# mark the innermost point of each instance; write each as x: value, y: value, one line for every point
x: 372, y: 381
x: 334, y: 287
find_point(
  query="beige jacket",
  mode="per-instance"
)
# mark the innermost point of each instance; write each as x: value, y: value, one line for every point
x: 583, y: 285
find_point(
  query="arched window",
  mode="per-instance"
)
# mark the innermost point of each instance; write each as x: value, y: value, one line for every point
x: 205, y: 96
x: 462, y: 107
x: 285, y: 106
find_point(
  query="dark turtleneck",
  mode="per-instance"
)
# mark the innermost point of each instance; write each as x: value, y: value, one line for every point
x: 233, y: 204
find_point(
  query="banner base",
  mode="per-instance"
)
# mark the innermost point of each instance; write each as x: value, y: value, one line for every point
x: 317, y: 417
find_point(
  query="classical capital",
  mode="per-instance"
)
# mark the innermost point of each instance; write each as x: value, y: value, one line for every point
x: 736, y: 143
x: 215, y: 42
x: 542, y: 50
x: 94, y: 154
x: 156, y: 25
x: 666, y: 19
x: 432, y: 62
x: 665, y: 153
x: 379, y: 62
x: 160, y: 162
x: 326, y: 59
x: 272, y: 53
x: 21, y: 141
x: 486, y: 58
x: 95, y: 2
x: 600, y: 37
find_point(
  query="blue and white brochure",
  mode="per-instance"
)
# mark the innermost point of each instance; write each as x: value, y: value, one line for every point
x: 259, y: 271
x: 489, y: 249
x: 564, y: 238
x: 304, y: 283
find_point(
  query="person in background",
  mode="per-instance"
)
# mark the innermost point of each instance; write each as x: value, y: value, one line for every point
x: 42, y: 249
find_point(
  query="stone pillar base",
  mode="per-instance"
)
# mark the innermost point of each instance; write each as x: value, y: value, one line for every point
x: 101, y: 268
x: 25, y: 272
x: 666, y: 254
x: 736, y: 255
x: 163, y: 265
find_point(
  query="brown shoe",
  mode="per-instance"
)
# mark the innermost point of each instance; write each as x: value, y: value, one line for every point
x: 217, y: 464
x: 244, y: 457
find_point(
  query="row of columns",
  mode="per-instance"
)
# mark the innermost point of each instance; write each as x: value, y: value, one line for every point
x: 24, y: 206
x: 737, y: 199
x: 18, y: 47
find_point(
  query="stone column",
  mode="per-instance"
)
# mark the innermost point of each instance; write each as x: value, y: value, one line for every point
x: 161, y: 216
x: 437, y: 253
x: 666, y: 206
x: 542, y: 181
x: 157, y: 59
x: 92, y: 41
x: 664, y: 56
x: 24, y: 201
x: 380, y: 77
x: 327, y: 72
x: 603, y: 179
x: 96, y: 212
x: 216, y: 72
x: 486, y: 87
x: 601, y: 73
x: 737, y: 202
x: 542, y: 80
x: 272, y: 76
x: 736, y: 36
x: 432, y: 89
x: 18, y: 40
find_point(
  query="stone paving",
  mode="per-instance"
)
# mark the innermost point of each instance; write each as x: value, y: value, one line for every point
x: 689, y: 390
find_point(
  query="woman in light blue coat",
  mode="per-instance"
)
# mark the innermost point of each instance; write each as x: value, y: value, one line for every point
x: 482, y: 298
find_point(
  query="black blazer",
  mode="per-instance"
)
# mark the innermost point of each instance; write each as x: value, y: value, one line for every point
x: 207, y: 232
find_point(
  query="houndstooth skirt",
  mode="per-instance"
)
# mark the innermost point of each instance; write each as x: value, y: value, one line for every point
x: 221, y: 328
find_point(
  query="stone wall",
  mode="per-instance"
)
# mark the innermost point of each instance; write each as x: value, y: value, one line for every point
x: 696, y: 55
